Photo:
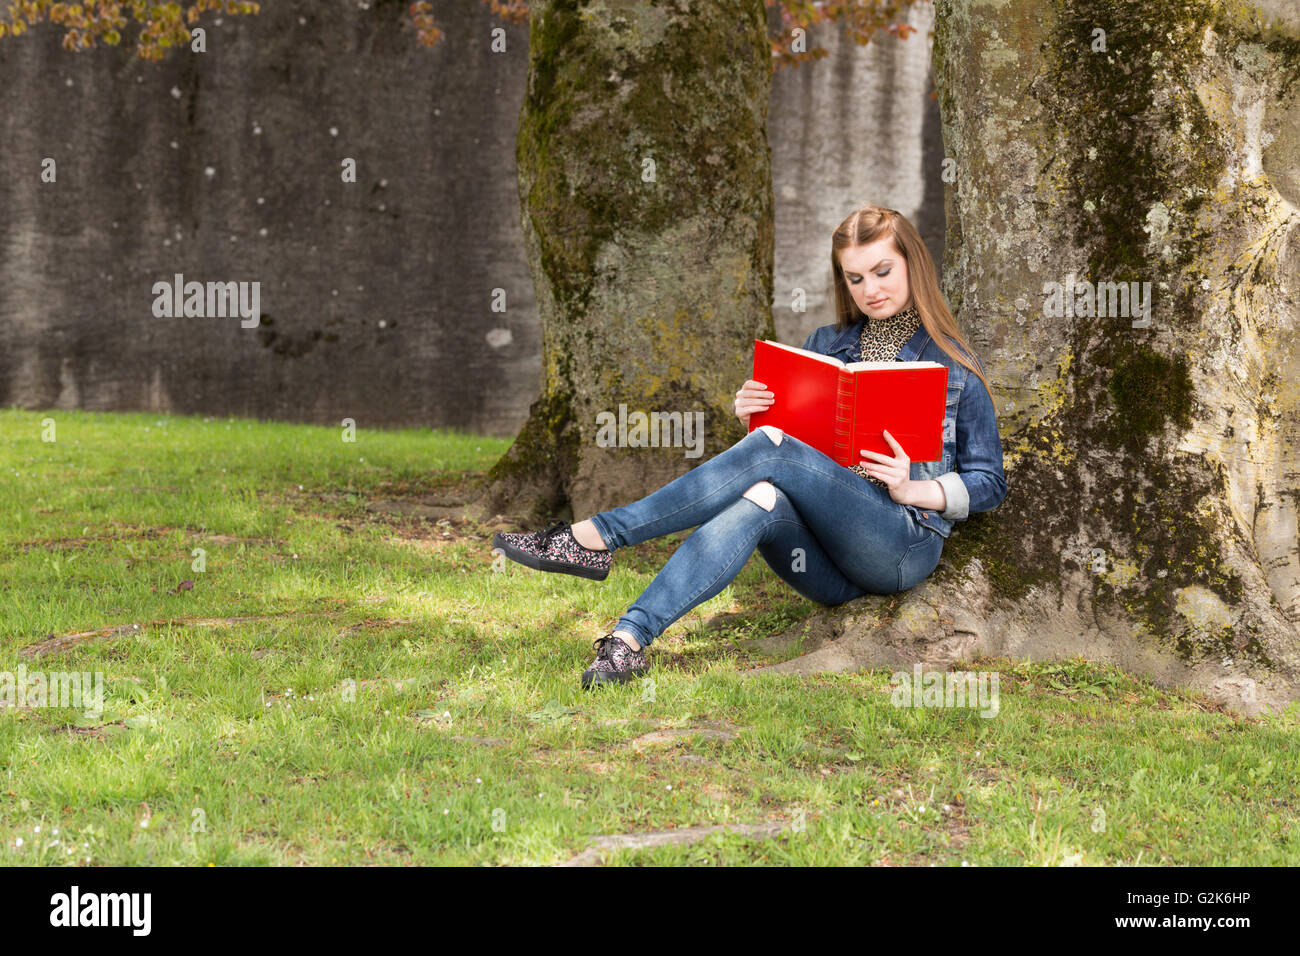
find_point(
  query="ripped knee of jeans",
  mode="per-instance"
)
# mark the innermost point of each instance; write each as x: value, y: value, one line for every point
x: 762, y: 494
x: 773, y: 433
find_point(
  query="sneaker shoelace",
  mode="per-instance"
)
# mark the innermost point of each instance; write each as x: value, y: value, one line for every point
x: 544, y: 537
x: 604, y: 648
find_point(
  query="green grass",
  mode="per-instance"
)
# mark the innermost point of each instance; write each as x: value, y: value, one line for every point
x: 467, y: 739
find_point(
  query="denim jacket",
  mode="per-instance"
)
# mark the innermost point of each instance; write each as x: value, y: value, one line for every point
x: 971, y: 468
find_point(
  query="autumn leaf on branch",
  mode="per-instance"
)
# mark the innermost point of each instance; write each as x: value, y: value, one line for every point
x: 161, y: 26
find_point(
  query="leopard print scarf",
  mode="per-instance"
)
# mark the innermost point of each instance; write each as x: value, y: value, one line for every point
x: 881, y: 341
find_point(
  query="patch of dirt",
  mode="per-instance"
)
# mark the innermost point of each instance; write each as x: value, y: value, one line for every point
x: 387, y: 683
x: 672, y: 735
x: 128, y: 533
x: 1057, y: 717
x: 57, y: 643
x: 683, y: 836
x: 53, y: 644
x: 719, y: 794
x: 102, y: 732
x: 955, y: 827
x: 414, y: 508
x: 234, y: 539
x: 669, y: 732
x: 375, y: 624
x: 696, y: 730
x: 948, y: 818
x: 427, y: 535
x: 481, y: 741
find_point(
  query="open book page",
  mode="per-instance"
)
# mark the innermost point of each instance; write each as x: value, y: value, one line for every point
x: 868, y: 366
x: 852, y: 366
x: 815, y: 355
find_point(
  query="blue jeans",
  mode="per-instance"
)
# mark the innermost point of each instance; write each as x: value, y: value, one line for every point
x: 831, y: 535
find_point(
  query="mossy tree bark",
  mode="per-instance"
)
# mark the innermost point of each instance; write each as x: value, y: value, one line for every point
x: 646, y: 191
x: 1153, y: 472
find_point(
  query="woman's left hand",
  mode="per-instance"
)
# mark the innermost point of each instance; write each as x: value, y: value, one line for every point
x: 894, y: 472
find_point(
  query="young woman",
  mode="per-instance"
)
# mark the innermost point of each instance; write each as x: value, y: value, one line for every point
x: 832, y: 533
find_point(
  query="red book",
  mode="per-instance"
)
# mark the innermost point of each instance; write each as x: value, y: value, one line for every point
x: 840, y: 409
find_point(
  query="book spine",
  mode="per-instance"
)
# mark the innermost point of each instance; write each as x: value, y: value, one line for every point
x: 844, y: 402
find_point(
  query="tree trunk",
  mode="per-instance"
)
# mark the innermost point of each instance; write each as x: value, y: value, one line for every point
x: 1153, y: 472
x: 645, y: 184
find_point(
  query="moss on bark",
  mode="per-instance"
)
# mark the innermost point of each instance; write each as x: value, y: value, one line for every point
x: 647, y: 218
x: 1137, y: 162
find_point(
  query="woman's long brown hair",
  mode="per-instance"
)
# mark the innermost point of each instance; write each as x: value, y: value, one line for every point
x: 869, y: 223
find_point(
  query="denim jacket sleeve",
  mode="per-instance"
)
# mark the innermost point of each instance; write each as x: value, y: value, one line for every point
x: 977, y: 482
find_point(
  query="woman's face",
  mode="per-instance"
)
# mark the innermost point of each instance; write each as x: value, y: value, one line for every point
x: 876, y: 276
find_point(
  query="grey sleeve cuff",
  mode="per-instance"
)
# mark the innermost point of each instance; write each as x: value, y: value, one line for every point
x: 957, y: 496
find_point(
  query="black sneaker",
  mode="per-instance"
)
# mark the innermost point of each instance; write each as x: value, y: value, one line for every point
x: 615, y: 662
x: 555, y: 549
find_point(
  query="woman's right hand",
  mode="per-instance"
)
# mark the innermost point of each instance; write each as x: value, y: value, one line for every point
x: 752, y: 398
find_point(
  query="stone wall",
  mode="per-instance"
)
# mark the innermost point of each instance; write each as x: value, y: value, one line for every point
x: 376, y: 297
